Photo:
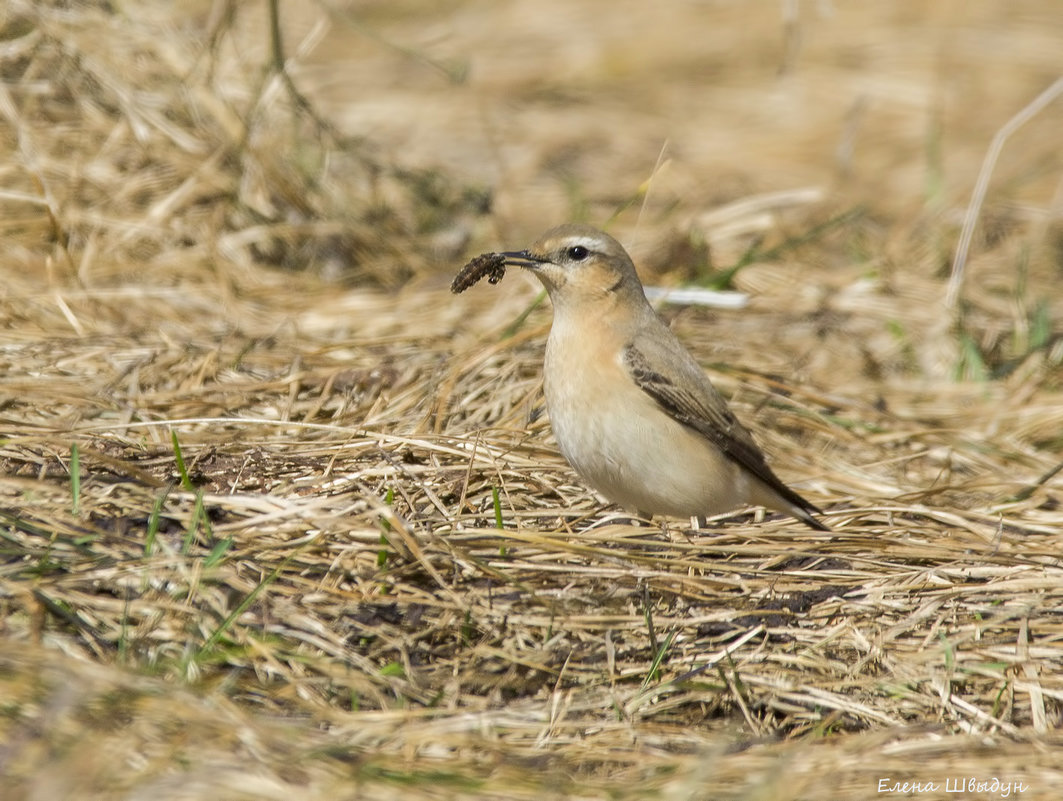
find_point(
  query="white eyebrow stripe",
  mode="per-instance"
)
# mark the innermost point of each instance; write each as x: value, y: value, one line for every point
x: 588, y: 242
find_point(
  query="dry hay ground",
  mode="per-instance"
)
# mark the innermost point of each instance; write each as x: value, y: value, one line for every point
x: 271, y: 532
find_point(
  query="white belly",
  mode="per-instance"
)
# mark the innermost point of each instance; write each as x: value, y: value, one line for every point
x: 627, y: 448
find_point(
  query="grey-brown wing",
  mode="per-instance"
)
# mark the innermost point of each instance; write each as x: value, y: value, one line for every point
x: 703, y: 409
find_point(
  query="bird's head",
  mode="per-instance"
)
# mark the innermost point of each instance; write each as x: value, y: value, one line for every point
x: 581, y: 267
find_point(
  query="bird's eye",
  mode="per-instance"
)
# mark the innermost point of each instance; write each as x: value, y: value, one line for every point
x: 577, y: 253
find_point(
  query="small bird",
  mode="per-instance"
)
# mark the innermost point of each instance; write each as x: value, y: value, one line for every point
x: 632, y: 411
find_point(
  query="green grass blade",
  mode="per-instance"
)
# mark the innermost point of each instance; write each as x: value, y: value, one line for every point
x: 179, y: 458
x: 239, y: 609
x: 153, y: 522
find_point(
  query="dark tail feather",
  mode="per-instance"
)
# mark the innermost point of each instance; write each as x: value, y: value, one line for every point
x: 805, y: 517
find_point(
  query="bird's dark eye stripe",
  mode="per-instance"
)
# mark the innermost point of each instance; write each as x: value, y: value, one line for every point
x: 577, y: 253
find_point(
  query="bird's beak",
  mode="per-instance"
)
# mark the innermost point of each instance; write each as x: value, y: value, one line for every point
x: 522, y: 258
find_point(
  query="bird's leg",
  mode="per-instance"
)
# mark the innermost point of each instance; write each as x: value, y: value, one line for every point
x: 641, y: 518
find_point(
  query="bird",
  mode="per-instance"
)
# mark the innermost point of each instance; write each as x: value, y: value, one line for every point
x: 631, y: 409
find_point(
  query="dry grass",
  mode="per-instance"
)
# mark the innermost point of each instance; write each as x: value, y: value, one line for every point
x: 282, y: 518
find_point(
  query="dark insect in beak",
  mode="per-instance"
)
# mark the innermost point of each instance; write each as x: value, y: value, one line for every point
x: 491, y: 266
